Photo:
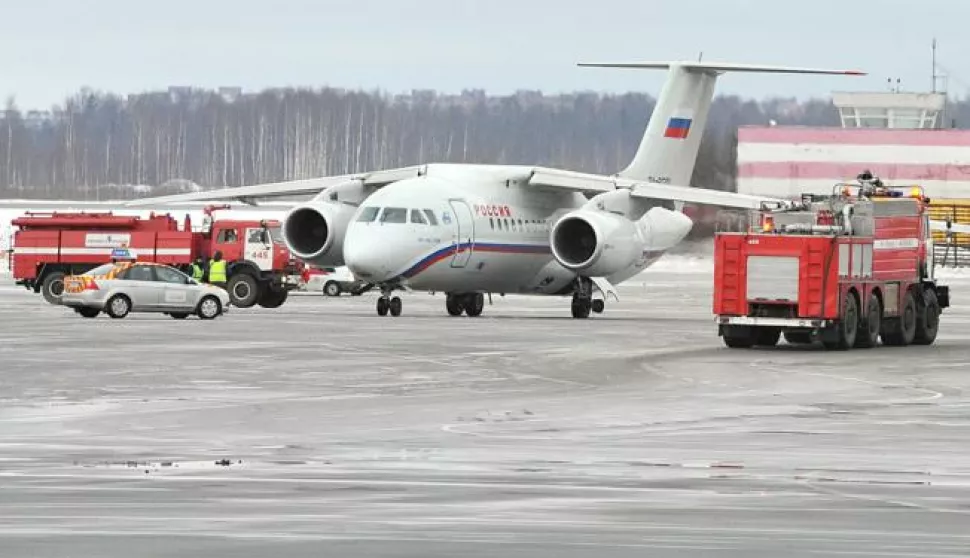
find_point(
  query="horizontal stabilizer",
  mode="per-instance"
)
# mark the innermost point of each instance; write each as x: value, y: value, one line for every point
x: 721, y: 67
x: 702, y: 196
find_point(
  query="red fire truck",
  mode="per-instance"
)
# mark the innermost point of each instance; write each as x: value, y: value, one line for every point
x: 49, y: 246
x: 845, y: 269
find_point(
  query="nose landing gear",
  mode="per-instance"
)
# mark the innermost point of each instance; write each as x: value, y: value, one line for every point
x: 388, y: 304
x: 583, y: 301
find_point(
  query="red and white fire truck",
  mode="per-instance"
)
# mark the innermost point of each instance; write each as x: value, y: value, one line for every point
x: 845, y: 269
x: 49, y: 246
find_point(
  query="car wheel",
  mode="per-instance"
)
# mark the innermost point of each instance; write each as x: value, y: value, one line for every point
x: 332, y: 288
x: 118, y: 306
x: 209, y: 308
x: 179, y: 315
x: 89, y: 312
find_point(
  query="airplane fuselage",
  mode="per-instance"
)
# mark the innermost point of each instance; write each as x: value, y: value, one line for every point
x: 490, y: 233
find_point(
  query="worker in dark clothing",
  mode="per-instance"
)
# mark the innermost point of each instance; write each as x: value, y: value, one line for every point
x: 217, y: 270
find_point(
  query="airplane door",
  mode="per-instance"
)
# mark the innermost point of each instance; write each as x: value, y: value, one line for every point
x: 259, y: 248
x: 465, y: 227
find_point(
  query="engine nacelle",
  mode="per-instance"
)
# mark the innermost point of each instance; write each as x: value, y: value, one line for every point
x: 595, y: 243
x: 314, y: 232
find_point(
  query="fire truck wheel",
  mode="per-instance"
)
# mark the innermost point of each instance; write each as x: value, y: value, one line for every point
x: 844, y: 335
x: 928, y: 319
x: 243, y: 290
x: 766, y: 336
x: 868, y: 335
x: 53, y: 287
x: 902, y: 330
x: 738, y: 337
x: 273, y: 299
x: 798, y: 337
x: 118, y: 306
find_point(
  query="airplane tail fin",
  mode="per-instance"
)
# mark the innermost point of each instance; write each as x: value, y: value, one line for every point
x: 670, y: 144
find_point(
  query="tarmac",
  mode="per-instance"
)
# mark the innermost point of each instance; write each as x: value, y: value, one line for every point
x: 322, y: 429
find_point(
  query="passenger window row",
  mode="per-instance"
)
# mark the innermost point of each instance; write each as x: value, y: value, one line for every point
x: 519, y: 225
x: 397, y: 215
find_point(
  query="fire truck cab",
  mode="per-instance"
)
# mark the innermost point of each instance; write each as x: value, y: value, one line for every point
x: 50, y: 246
x: 846, y: 269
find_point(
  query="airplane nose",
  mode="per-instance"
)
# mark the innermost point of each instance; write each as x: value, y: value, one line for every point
x: 365, y: 260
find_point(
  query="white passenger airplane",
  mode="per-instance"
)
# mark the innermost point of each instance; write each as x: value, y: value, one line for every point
x: 467, y: 230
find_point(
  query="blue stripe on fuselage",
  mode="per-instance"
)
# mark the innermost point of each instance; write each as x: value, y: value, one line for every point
x: 490, y: 247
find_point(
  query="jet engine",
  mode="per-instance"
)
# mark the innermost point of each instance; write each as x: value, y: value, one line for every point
x: 595, y: 243
x: 314, y: 232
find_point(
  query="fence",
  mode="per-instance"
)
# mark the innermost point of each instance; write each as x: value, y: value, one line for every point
x: 951, y: 249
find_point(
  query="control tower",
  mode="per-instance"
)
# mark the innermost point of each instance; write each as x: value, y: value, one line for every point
x: 891, y: 109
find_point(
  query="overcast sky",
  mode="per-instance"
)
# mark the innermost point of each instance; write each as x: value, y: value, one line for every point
x: 51, y: 48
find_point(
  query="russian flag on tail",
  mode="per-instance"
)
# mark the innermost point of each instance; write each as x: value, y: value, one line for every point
x: 677, y: 128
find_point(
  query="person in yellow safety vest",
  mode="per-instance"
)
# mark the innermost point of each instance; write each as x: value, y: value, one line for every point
x: 197, y: 271
x: 217, y: 270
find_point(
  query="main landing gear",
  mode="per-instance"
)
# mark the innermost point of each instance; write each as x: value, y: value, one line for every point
x: 386, y: 303
x: 583, y: 301
x: 471, y: 304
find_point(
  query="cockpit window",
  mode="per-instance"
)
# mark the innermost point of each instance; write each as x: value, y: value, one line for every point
x: 368, y: 214
x: 416, y: 217
x: 394, y: 215
x: 431, y: 218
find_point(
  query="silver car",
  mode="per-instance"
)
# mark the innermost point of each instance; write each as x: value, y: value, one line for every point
x: 120, y: 288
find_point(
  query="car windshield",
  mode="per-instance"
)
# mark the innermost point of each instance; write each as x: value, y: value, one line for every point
x: 101, y: 270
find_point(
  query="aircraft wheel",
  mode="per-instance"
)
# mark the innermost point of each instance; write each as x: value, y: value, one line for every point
x: 395, y: 306
x: 599, y: 305
x: 453, y: 305
x: 382, y: 306
x: 474, y: 303
x: 581, y: 307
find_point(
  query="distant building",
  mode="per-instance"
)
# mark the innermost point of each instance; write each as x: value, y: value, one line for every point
x: 898, y: 136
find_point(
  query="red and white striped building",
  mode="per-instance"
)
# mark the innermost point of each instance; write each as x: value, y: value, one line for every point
x: 788, y: 161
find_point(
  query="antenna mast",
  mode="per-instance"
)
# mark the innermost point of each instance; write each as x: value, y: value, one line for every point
x: 934, y: 65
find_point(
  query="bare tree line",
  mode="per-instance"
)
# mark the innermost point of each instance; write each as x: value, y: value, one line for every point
x: 97, y: 146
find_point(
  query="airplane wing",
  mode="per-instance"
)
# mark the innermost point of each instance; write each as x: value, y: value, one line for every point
x: 291, y: 188
x: 592, y: 184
